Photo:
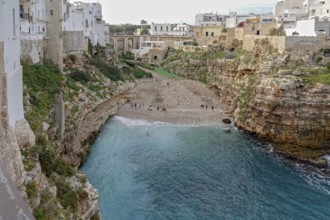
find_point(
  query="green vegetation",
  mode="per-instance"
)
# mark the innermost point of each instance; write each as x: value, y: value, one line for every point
x: 31, y: 190
x: 80, y: 76
x: 277, y: 31
x: 273, y: 105
x: 138, y: 73
x: 48, y: 208
x: 323, y: 78
x: 68, y: 197
x: 43, y: 82
x: 112, y: 72
x: 165, y: 73
x: 127, y: 56
x: 126, y: 28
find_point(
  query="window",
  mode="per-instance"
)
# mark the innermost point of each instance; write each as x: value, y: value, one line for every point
x: 258, y: 32
x: 155, y: 57
x: 206, y: 34
x: 155, y: 28
x: 161, y: 28
x: 212, y: 34
x: 51, y: 12
x: 14, y: 23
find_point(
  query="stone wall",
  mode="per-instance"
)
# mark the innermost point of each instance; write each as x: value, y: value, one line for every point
x: 277, y: 42
x: 305, y: 43
x: 157, y: 56
x: 32, y: 51
x: 287, y: 43
x: 73, y: 42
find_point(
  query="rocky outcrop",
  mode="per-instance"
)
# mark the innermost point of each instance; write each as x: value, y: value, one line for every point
x: 269, y: 96
x: 24, y: 134
x: 76, y: 144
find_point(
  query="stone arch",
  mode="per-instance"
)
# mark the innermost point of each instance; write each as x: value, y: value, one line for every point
x: 112, y: 43
x: 120, y: 45
x: 130, y: 44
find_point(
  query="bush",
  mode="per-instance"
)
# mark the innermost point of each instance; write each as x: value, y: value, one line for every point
x: 67, y: 197
x: 31, y: 190
x: 46, y: 158
x: 138, y: 73
x: 63, y: 168
x: 73, y: 58
x: 112, y: 72
x: 80, y: 76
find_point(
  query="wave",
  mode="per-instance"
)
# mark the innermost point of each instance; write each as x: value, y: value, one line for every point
x: 138, y: 122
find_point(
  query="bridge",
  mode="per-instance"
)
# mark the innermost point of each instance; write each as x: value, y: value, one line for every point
x: 124, y: 43
x: 12, y: 206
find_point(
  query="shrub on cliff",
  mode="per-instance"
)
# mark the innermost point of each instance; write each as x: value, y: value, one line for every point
x: 112, y: 72
x: 80, y: 76
x: 68, y: 197
x: 42, y: 82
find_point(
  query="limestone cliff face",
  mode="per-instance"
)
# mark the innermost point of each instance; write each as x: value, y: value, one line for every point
x: 92, y: 116
x: 269, y: 97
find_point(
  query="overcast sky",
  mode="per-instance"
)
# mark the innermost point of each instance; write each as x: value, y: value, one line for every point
x: 173, y: 11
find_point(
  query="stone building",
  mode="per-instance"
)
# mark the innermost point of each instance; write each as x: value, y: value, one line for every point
x: 205, y: 35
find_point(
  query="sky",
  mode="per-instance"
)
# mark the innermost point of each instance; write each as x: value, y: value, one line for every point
x: 172, y: 11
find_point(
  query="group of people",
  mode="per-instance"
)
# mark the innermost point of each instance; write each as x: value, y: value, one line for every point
x: 136, y: 105
x: 202, y: 106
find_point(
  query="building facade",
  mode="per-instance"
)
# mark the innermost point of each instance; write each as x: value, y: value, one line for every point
x: 12, y: 69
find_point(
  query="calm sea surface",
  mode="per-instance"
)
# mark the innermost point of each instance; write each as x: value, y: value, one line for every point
x: 161, y: 171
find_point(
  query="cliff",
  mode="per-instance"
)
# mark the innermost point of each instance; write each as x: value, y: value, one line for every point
x: 282, y: 98
x: 66, y: 110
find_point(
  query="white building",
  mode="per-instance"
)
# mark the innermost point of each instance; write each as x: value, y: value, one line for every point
x: 170, y: 29
x: 10, y: 40
x: 33, y: 19
x: 146, y: 46
x: 210, y: 19
x: 87, y: 17
x: 234, y: 19
x: 288, y: 12
x: 75, y: 19
x: 311, y: 27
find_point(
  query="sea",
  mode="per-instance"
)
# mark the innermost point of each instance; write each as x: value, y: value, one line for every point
x: 154, y: 171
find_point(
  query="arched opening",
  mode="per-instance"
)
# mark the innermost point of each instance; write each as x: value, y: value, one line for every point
x: 111, y: 44
x: 130, y: 44
x: 120, y: 44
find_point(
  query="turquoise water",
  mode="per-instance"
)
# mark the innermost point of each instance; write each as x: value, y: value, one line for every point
x: 159, y: 171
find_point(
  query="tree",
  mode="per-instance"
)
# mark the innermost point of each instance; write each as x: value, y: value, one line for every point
x: 144, y: 31
x: 143, y: 22
x: 277, y: 31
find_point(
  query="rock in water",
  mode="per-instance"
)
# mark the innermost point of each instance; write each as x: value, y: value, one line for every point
x: 226, y: 121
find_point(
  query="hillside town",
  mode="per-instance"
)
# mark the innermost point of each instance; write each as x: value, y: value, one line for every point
x: 62, y: 32
x: 52, y: 30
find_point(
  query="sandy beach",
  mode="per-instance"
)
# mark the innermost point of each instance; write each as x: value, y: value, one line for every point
x: 182, y: 99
